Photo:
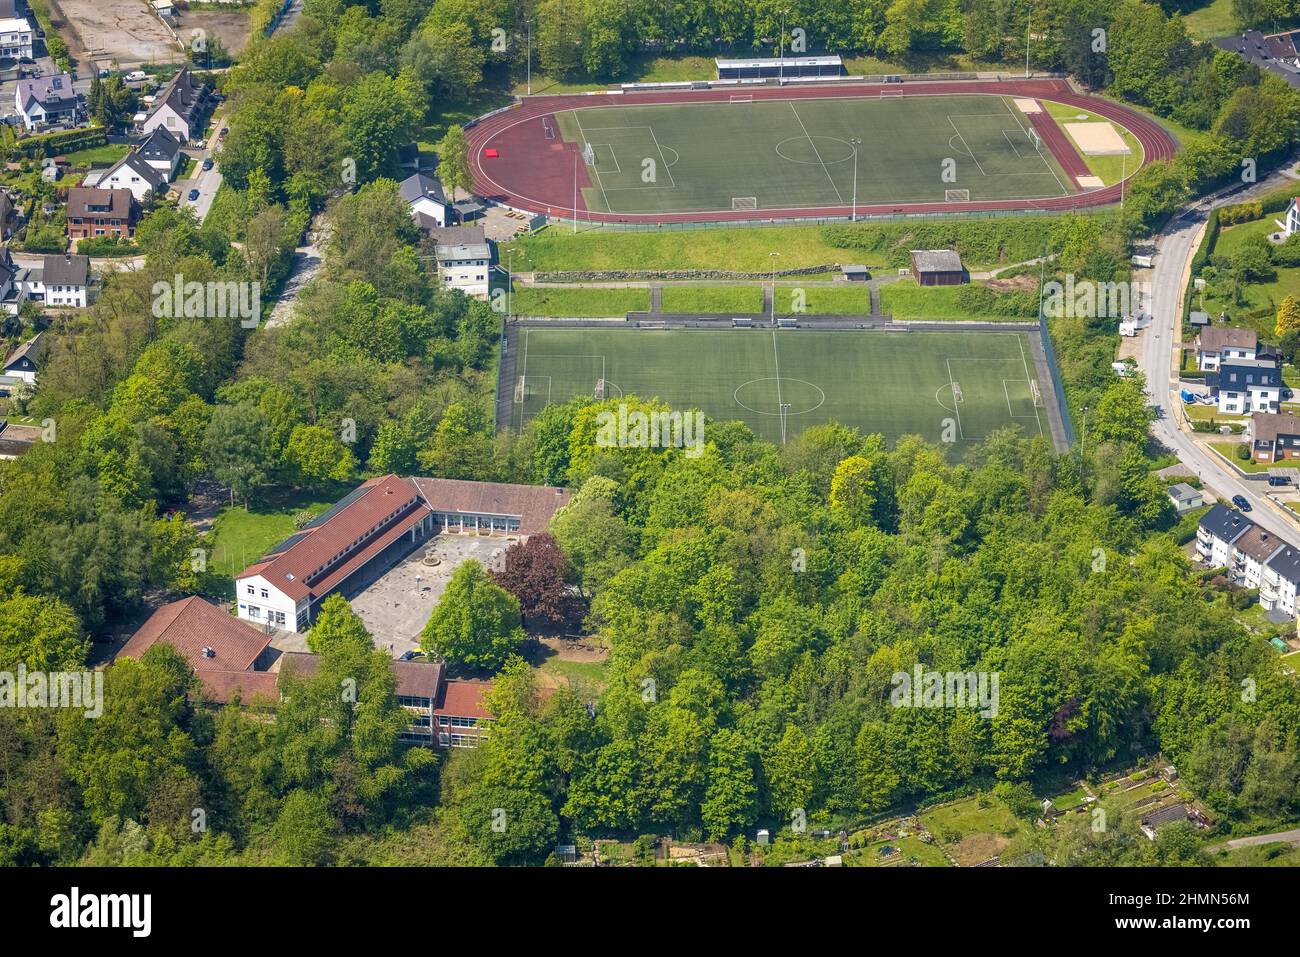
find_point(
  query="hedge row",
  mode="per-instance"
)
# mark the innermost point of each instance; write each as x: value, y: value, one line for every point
x: 981, y: 241
x: 62, y: 141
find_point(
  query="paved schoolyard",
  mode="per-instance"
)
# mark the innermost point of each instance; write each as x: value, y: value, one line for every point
x: 396, y: 607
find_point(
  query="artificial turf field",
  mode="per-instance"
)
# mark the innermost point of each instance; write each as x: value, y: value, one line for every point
x: 689, y: 157
x: 894, y: 383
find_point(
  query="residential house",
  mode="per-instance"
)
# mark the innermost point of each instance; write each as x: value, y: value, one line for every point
x: 464, y: 257
x: 428, y: 203
x: 1281, y: 581
x: 60, y: 281
x: 1215, y: 344
x: 11, y: 283
x: 1243, y: 386
x: 1274, y: 436
x: 100, y: 212
x: 381, y: 518
x: 1218, y: 529
x: 24, y: 362
x: 1251, y: 551
x: 16, y: 440
x: 938, y: 267
x: 133, y: 173
x: 46, y: 101
x: 16, y: 35
x: 180, y: 107
x: 162, y: 151
x: 1185, y: 497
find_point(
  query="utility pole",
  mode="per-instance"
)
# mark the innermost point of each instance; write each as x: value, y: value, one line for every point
x: 780, y: 67
x: 855, y: 142
x: 773, y: 257
x: 510, y: 278
x: 529, y: 24
x: 1028, y: 20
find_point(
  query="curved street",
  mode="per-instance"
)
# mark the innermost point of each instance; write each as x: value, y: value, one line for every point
x: 1175, y: 247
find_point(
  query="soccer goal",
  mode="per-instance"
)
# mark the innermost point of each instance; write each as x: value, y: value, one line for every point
x: 956, y: 391
x: 599, y: 391
x: 742, y: 98
x: 956, y: 195
x: 744, y: 202
x: 1034, y: 139
x: 1036, y: 393
x: 519, y: 391
x: 589, y: 155
x: 547, y: 128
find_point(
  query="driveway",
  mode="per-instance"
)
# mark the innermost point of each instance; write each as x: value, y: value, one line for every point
x: 1157, y: 360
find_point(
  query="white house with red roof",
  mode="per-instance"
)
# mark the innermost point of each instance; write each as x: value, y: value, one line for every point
x: 382, y: 516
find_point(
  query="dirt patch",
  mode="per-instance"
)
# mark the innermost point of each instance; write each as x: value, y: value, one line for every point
x: 1024, y: 283
x: 567, y: 649
x: 123, y: 31
x: 229, y: 26
x: 978, y: 848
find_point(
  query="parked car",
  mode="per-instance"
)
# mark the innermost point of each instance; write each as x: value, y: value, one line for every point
x: 1241, y: 503
x: 194, y: 195
x: 207, y: 163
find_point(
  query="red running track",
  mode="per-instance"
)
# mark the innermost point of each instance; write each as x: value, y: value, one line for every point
x: 537, y: 174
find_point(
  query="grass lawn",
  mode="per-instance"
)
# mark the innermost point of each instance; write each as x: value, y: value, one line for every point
x: 242, y: 536
x: 904, y: 299
x: 1212, y: 20
x: 849, y: 299
x: 876, y: 381
x: 1070, y: 799
x: 1111, y: 169
x: 977, y: 828
x: 719, y: 299
x: 774, y: 154
x: 595, y: 303
x: 1291, y: 661
x: 1259, y: 301
x: 1277, y: 854
x: 907, y: 849
x: 105, y: 155
x: 588, y: 675
x: 1210, y: 413
x: 1229, y: 451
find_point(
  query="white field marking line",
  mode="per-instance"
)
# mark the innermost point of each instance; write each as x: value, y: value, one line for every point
x: 599, y: 181
x: 1012, y: 144
x: 818, y: 154
x: 1013, y: 415
x: 612, y: 154
x: 952, y: 387
x: 934, y: 206
x: 664, y: 159
x: 777, y: 358
x: 1016, y: 116
x: 1025, y: 362
x: 969, y: 152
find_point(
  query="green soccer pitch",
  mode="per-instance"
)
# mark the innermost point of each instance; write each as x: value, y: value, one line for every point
x: 946, y: 386
x: 688, y: 157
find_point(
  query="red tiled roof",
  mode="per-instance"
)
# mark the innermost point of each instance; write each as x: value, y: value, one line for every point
x: 297, y: 571
x: 464, y: 699
x: 532, y: 504
x: 223, y: 685
x: 415, y: 679
x: 192, y: 624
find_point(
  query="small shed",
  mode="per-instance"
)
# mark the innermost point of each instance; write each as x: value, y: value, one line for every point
x: 938, y: 267
x: 1198, y: 319
x: 1185, y: 497
x: 855, y: 272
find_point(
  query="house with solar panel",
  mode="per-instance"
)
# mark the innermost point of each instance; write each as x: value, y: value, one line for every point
x: 372, y: 527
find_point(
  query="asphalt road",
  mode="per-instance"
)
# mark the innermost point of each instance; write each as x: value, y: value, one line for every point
x: 1174, y: 250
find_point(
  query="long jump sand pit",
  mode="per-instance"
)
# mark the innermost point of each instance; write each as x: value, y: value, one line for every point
x: 121, y: 30
x: 1097, y: 139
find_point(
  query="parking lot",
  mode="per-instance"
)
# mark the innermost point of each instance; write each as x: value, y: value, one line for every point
x: 396, y: 607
